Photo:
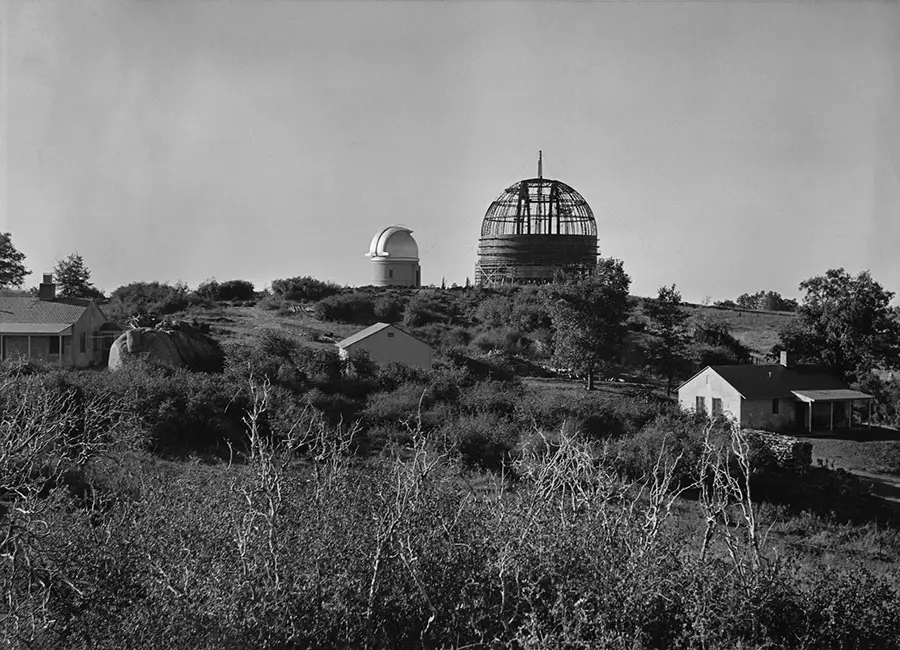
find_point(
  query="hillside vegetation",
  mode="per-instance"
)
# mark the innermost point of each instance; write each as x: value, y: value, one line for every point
x: 299, y: 500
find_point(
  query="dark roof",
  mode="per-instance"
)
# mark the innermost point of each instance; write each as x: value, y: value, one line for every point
x: 21, y: 309
x: 771, y: 381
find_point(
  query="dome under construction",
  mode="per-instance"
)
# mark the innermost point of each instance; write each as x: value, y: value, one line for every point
x: 535, y: 229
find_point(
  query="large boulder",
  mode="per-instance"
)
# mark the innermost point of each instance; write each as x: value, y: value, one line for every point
x: 174, y: 343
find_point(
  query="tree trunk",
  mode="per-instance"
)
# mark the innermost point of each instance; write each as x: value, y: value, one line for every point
x: 590, y: 379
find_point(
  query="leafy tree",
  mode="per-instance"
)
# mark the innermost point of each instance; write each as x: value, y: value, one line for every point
x: 12, y: 267
x: 845, y: 323
x: 766, y: 300
x: 73, y: 278
x: 666, y: 350
x: 589, y: 317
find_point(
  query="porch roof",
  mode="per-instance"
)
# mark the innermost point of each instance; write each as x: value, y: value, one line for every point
x: 38, y: 329
x: 837, y: 395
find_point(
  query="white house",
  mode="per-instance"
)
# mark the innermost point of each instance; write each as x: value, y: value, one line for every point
x: 70, y: 332
x: 386, y: 343
x: 775, y: 397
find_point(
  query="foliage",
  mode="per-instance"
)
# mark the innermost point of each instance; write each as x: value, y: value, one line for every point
x: 715, y: 344
x: 355, y: 307
x: 767, y: 301
x: 294, y: 543
x: 667, y: 349
x: 224, y: 291
x: 12, y: 263
x: 589, y: 317
x: 147, y: 298
x: 304, y: 288
x: 845, y: 323
x: 73, y: 278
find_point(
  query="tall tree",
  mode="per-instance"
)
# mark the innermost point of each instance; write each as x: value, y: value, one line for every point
x: 589, y: 319
x: 845, y: 323
x: 666, y: 350
x: 73, y: 279
x: 12, y: 266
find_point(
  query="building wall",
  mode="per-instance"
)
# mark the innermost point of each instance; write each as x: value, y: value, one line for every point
x: 757, y: 414
x: 396, y: 273
x: 87, y: 329
x: 709, y: 384
x: 400, y: 348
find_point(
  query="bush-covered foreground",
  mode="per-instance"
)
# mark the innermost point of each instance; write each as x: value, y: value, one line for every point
x: 298, y: 543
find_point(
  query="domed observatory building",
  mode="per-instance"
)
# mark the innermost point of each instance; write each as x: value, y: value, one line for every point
x: 534, y: 230
x: 395, y: 258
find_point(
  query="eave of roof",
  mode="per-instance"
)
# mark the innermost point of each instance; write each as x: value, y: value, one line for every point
x: 63, y: 329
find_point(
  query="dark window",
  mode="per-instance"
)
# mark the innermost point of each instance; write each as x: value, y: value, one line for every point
x: 82, y: 343
x: 54, y: 345
x: 390, y: 335
x: 700, y: 404
x: 717, y: 406
x: 775, y: 406
x: 390, y: 273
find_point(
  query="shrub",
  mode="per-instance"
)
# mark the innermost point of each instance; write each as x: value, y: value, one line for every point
x: 146, y: 298
x: 235, y: 290
x: 347, y: 308
x: 304, y: 288
x: 388, y: 309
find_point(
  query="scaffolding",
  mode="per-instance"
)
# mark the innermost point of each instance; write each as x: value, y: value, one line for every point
x: 536, y: 229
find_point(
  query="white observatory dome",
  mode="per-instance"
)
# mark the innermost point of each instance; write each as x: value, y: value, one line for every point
x: 394, y: 242
x: 395, y: 258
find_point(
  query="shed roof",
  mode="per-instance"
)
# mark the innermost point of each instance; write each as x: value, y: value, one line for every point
x: 26, y: 309
x: 369, y: 331
x: 772, y: 381
x: 35, y: 328
x: 831, y: 395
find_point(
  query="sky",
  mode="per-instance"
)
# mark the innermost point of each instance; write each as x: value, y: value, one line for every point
x: 723, y: 147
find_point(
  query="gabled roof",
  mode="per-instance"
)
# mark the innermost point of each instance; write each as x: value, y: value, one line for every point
x: 776, y: 381
x: 26, y: 309
x: 369, y: 331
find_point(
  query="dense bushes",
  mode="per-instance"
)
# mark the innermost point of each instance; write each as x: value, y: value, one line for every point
x: 353, y: 307
x: 145, y: 298
x: 299, y: 547
x: 303, y: 288
x: 224, y: 291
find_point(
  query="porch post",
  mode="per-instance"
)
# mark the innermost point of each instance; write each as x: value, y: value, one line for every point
x: 850, y: 417
x: 29, y: 346
x: 831, y: 424
x: 810, y: 415
x: 59, y: 359
x: 870, y: 414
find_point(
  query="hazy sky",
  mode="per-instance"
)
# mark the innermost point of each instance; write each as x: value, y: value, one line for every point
x: 725, y: 147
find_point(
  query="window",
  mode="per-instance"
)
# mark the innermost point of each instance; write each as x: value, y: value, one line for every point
x: 700, y: 406
x: 390, y: 335
x: 717, y: 406
x: 82, y: 343
x: 775, y: 406
x: 54, y: 345
x: 390, y: 273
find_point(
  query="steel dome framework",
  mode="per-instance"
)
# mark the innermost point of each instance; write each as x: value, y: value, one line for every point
x: 535, y: 229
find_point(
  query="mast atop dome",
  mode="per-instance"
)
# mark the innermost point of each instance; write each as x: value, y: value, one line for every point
x: 540, y: 164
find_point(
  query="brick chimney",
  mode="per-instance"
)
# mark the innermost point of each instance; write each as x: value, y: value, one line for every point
x: 47, y: 290
x: 788, y: 359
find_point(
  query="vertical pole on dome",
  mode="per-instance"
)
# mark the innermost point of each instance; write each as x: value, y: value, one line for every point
x: 540, y: 164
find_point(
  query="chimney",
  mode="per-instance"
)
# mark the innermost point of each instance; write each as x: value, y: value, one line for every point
x: 47, y: 290
x: 788, y: 359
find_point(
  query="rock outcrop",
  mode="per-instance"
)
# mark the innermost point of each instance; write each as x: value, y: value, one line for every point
x: 173, y: 343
